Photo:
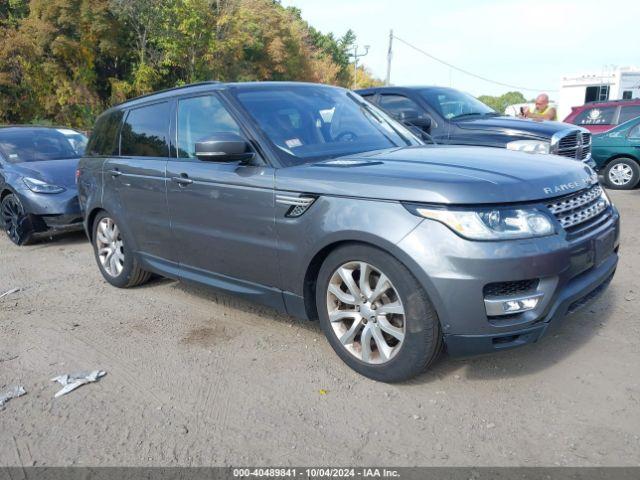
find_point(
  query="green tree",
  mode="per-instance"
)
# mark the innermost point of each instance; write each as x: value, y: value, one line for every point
x: 12, y: 11
x: 503, y: 101
x: 64, y: 61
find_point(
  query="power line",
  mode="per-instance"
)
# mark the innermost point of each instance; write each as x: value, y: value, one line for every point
x: 467, y: 72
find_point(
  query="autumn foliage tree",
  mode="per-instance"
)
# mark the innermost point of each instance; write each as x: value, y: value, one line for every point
x: 64, y: 61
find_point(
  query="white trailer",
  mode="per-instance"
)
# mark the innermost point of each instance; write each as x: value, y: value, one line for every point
x: 619, y: 83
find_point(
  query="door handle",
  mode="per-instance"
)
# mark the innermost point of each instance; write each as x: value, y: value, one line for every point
x: 115, y: 173
x: 183, y: 180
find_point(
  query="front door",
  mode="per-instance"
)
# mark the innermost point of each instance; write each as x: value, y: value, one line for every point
x: 222, y: 214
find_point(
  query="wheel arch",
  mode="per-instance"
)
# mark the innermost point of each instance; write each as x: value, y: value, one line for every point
x: 313, y: 268
x: 6, y: 191
x: 91, y: 216
x: 618, y: 156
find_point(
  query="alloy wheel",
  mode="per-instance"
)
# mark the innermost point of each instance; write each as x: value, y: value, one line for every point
x: 620, y: 174
x: 110, y: 247
x: 11, y: 213
x: 366, y: 312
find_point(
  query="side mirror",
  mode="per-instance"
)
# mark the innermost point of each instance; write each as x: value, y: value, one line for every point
x: 224, y: 147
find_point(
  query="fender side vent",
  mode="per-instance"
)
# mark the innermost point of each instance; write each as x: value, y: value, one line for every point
x: 298, y: 205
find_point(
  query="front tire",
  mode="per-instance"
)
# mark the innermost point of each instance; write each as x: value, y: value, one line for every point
x: 116, y: 262
x: 12, y: 213
x: 622, y: 174
x: 375, y: 314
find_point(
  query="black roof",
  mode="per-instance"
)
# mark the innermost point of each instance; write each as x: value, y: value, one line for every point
x: 207, y: 86
x: 365, y: 91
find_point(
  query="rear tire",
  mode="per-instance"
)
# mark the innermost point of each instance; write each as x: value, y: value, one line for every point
x: 402, y: 318
x: 622, y: 174
x: 118, y: 265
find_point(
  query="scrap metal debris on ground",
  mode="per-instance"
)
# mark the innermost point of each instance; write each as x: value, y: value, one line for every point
x: 9, y: 292
x: 71, y: 381
x: 13, y: 392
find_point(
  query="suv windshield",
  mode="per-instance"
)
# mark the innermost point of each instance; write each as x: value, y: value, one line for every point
x: 311, y: 123
x: 34, y: 145
x: 452, y: 104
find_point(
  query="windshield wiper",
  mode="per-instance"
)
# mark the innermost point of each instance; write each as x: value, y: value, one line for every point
x: 476, y: 114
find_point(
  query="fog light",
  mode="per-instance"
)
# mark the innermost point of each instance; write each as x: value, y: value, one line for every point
x: 516, y: 306
x: 508, y: 305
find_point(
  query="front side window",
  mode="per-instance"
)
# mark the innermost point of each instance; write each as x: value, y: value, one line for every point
x: 596, y: 116
x: 145, y: 131
x: 453, y: 104
x: 399, y: 106
x: 628, y: 113
x: 198, y: 119
x: 634, y: 133
x: 35, y: 145
x: 309, y: 123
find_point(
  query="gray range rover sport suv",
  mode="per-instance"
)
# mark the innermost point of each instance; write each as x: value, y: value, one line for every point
x: 310, y: 200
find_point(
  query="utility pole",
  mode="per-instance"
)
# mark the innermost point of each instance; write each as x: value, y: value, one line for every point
x: 356, y: 56
x: 387, y: 81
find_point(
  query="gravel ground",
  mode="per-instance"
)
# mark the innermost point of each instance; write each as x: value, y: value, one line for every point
x: 199, y: 378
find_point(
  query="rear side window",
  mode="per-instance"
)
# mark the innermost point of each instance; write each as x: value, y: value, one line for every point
x: 145, y: 131
x: 627, y: 113
x: 596, y: 116
x: 104, y: 138
x: 198, y: 118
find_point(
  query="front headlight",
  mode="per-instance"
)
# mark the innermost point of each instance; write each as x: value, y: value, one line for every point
x: 529, y: 146
x: 38, y: 186
x: 492, y: 223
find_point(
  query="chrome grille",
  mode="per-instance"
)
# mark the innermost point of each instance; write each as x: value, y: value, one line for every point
x: 576, y: 209
x: 574, y: 144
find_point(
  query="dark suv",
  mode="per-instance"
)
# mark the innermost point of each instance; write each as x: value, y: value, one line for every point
x: 308, y: 199
x: 453, y: 117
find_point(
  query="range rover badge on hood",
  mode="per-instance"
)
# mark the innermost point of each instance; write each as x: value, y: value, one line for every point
x: 571, y: 186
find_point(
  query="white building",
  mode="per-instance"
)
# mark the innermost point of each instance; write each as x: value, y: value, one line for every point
x: 612, y: 84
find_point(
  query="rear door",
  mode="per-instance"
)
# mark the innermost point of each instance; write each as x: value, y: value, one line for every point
x: 135, y: 181
x: 222, y: 214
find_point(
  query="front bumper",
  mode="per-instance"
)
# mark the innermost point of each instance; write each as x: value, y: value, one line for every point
x: 57, y: 212
x: 454, y: 271
x: 578, y: 293
x: 590, y: 162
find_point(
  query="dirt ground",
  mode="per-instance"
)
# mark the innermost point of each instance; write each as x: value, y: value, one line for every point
x: 198, y: 378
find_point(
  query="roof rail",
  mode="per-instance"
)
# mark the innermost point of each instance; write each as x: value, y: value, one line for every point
x: 195, y: 84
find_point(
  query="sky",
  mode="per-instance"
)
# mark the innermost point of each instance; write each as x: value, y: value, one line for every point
x: 527, y: 43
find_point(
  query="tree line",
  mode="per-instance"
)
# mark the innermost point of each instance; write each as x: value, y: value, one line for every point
x: 65, y: 61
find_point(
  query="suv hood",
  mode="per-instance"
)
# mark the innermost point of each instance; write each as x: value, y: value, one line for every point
x: 515, y: 126
x: 56, y: 172
x: 441, y: 174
